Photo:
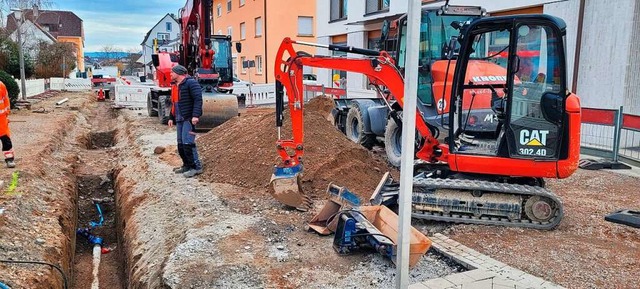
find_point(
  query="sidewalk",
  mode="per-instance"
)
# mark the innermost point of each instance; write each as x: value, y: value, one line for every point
x: 484, y: 272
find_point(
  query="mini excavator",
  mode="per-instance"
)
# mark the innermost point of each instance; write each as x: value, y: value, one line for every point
x: 495, y: 178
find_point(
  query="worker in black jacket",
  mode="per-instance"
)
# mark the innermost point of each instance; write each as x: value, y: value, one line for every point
x: 186, y: 115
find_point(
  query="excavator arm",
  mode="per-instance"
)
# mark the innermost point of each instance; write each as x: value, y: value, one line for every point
x: 378, y: 66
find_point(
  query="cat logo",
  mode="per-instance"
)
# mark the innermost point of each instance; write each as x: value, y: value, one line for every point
x: 533, y: 137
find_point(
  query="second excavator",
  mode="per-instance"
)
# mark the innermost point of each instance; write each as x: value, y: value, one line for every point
x: 495, y: 178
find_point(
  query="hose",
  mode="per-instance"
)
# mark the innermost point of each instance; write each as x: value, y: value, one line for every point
x: 64, y: 277
x: 4, y: 286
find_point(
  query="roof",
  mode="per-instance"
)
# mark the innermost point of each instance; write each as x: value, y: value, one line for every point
x: 146, y: 36
x: 58, y: 23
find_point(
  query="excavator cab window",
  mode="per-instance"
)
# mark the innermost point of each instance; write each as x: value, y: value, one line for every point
x: 512, y: 67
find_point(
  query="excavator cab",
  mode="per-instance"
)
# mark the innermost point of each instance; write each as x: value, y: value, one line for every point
x: 527, y: 95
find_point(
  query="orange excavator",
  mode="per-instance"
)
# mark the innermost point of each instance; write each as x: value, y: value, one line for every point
x: 494, y: 179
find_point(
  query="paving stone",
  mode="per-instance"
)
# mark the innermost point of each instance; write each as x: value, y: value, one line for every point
x: 459, y: 279
x: 418, y: 286
x: 480, y: 284
x: 438, y: 283
x: 480, y: 274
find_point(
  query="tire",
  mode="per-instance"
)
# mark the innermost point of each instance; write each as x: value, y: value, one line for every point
x: 150, y: 107
x: 354, y: 128
x: 393, y: 142
x: 162, y: 109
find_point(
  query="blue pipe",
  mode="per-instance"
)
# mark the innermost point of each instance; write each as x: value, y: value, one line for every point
x: 4, y: 286
x: 94, y: 224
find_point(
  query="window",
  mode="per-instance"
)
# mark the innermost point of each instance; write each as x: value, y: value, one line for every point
x: 305, y: 26
x: 259, y: 64
x: 243, y: 29
x: 242, y: 68
x: 241, y: 3
x: 168, y: 26
x: 377, y: 5
x: 219, y: 10
x: 230, y: 31
x: 258, y: 26
x: 338, y: 9
x: 228, y: 6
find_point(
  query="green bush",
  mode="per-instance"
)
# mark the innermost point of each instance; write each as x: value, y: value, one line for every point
x: 12, y: 87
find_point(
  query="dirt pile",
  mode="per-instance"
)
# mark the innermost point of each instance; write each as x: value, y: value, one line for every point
x: 242, y: 152
x: 320, y: 104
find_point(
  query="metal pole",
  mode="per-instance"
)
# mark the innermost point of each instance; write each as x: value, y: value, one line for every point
x: 616, y: 135
x: 23, y: 90
x: 408, y: 139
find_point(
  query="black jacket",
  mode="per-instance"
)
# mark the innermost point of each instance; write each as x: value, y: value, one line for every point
x: 190, y: 98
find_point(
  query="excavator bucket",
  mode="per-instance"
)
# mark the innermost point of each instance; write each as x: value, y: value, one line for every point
x: 285, y: 187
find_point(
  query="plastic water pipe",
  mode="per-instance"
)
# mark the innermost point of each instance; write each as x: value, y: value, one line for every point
x: 97, y: 251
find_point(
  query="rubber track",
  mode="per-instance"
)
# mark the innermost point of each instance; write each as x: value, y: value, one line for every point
x: 487, y: 186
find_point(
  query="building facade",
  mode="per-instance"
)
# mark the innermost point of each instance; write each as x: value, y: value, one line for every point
x: 603, y: 60
x: 260, y: 26
x: 165, y: 34
x: 64, y: 26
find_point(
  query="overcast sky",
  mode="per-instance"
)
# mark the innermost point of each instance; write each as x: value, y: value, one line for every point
x: 122, y: 24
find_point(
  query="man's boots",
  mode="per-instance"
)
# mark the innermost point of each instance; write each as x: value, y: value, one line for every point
x: 8, y: 158
x: 184, y: 167
x: 189, y: 151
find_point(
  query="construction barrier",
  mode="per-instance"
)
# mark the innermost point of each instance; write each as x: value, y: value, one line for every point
x: 134, y: 96
x: 611, y: 134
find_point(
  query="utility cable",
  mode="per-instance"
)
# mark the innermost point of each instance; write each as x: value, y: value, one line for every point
x: 64, y: 277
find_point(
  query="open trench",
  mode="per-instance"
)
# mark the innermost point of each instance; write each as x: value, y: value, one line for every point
x: 97, y: 238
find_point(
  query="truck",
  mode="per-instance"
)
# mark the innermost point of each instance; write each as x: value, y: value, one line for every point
x: 207, y: 57
x: 367, y: 120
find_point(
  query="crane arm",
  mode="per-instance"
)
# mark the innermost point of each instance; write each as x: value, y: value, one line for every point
x: 380, y: 70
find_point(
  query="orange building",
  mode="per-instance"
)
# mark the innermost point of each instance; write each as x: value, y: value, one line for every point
x: 260, y: 26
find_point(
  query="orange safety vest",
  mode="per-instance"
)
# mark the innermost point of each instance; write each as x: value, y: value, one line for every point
x: 5, y: 109
x: 174, y: 98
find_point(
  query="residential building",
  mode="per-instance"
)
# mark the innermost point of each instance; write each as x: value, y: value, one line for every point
x: 32, y: 35
x: 166, y: 33
x: 602, y: 57
x: 260, y: 26
x: 64, y: 26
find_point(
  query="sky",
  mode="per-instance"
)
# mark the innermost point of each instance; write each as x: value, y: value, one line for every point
x: 120, y: 23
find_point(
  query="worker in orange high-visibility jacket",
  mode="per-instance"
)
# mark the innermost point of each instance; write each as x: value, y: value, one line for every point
x: 5, y: 133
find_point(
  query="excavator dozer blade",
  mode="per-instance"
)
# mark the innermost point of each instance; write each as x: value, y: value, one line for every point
x: 285, y: 187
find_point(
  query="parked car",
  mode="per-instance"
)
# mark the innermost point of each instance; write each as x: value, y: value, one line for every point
x: 309, y: 79
x: 239, y: 86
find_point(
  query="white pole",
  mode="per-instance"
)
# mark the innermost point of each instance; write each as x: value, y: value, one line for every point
x: 23, y: 89
x: 408, y: 138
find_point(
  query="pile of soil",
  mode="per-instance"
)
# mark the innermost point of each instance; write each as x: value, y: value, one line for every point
x: 242, y: 152
x: 321, y: 104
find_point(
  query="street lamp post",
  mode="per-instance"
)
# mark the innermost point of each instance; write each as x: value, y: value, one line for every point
x: 18, y: 14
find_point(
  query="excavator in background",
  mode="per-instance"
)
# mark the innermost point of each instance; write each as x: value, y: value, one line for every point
x: 493, y: 179
x: 207, y: 57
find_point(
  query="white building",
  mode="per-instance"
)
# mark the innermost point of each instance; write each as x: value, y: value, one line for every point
x: 32, y: 35
x: 166, y: 31
x: 607, y: 57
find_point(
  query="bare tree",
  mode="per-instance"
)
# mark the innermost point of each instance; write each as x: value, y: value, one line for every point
x: 7, y: 5
x: 109, y: 53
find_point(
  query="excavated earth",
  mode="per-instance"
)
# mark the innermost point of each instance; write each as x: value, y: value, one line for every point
x: 223, y: 229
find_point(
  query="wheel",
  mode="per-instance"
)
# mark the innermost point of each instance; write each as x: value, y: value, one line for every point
x: 162, y: 109
x: 393, y: 141
x: 150, y: 109
x: 355, y: 128
x: 539, y: 209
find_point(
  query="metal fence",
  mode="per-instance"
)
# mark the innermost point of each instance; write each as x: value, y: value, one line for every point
x: 611, y: 133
